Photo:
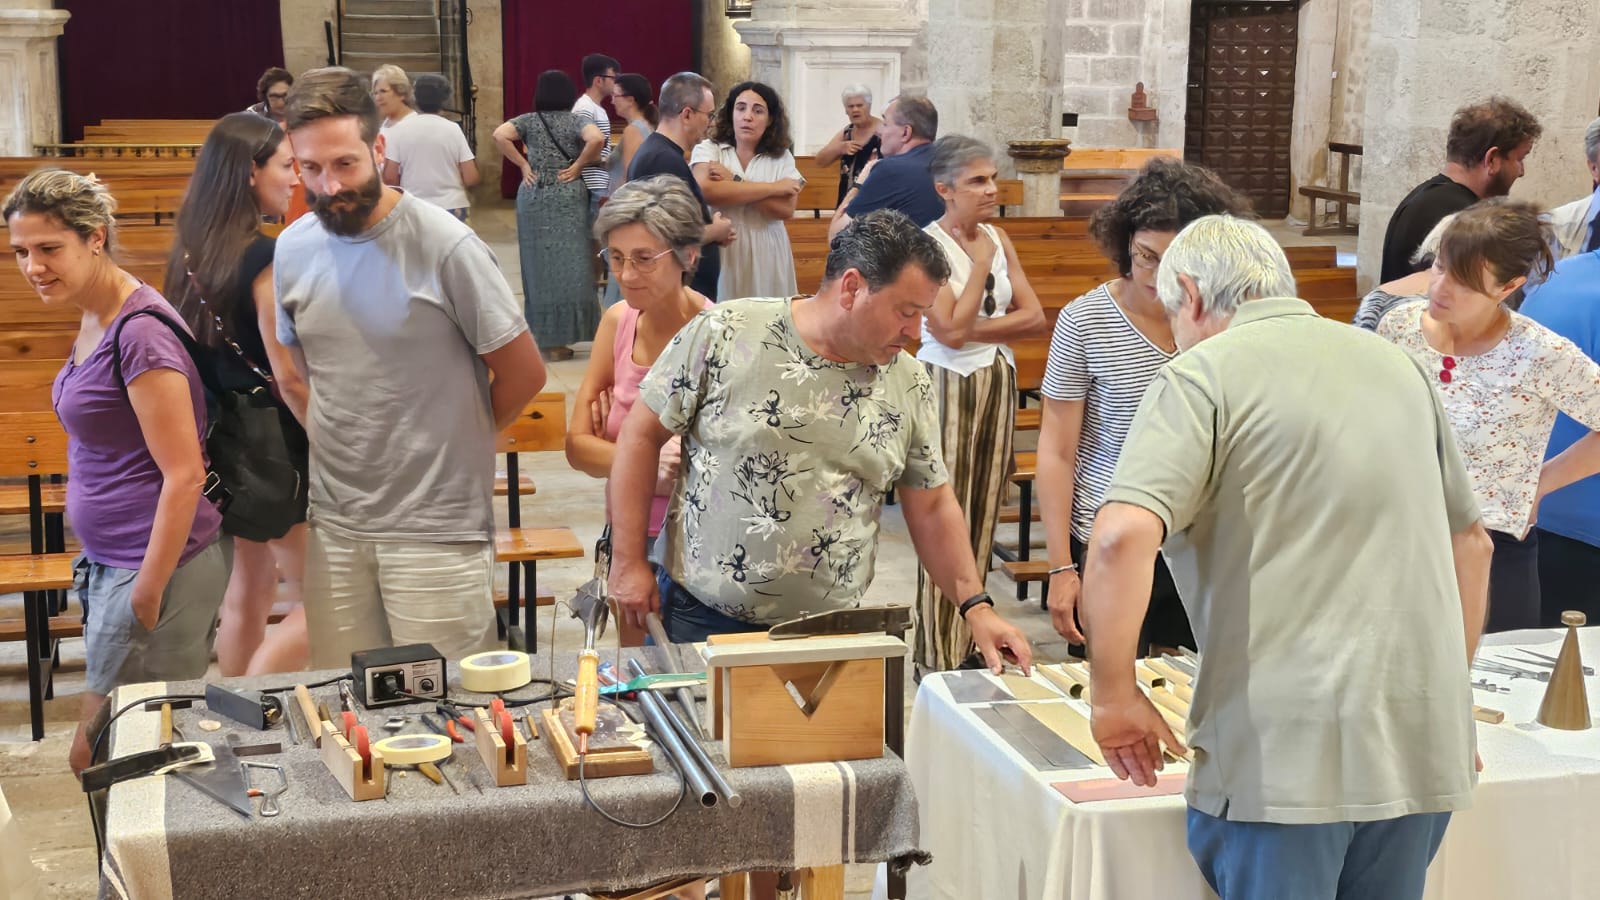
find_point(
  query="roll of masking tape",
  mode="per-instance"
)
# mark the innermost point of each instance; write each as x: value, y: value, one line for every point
x: 411, y: 749
x: 495, y: 671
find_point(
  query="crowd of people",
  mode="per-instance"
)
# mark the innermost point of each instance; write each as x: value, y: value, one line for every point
x: 1218, y: 467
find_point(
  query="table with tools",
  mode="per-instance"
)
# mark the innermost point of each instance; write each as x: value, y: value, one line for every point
x: 497, y: 814
x: 1006, y: 826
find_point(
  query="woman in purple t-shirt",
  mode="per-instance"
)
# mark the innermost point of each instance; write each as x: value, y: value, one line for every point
x: 651, y: 231
x: 152, y: 572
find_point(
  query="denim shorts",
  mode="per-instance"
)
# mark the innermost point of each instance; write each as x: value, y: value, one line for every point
x: 122, y: 651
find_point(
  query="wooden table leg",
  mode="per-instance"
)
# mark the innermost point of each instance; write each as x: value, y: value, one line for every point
x: 823, y: 883
x: 734, y: 887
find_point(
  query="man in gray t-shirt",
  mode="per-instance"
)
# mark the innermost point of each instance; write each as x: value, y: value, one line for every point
x: 397, y: 314
x: 797, y: 416
x: 1324, y: 536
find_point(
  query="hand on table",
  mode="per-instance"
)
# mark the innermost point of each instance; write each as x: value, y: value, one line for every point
x: 1064, y: 590
x: 1130, y: 732
x: 997, y: 639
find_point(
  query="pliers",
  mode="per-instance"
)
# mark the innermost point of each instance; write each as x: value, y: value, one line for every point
x: 452, y: 714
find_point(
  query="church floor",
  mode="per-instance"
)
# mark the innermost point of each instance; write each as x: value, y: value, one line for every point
x: 46, y: 800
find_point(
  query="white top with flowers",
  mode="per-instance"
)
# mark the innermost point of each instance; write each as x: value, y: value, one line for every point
x: 1503, y: 404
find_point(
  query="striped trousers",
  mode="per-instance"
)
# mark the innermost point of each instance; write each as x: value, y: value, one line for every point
x: 978, y: 415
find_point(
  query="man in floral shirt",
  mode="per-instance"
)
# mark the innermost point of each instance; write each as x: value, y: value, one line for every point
x: 797, y: 416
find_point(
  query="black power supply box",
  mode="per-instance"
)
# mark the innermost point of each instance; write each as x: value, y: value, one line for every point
x: 381, y: 674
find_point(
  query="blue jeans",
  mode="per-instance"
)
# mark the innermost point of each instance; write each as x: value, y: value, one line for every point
x: 1386, y: 860
x: 687, y: 620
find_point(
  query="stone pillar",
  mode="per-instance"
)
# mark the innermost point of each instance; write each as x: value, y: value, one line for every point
x: 994, y: 68
x: 810, y: 52
x: 30, y: 105
x: 1428, y: 57
x: 1038, y: 164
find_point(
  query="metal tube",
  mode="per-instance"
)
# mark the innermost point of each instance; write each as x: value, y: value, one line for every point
x: 669, y: 659
x: 672, y: 745
x: 699, y: 753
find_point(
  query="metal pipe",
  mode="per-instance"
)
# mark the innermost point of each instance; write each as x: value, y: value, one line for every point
x: 647, y: 698
x: 673, y: 746
x: 673, y: 663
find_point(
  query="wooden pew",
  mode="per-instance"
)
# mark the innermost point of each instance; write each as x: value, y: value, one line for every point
x: 1092, y: 177
x: 144, y: 188
x: 821, y: 192
x: 25, y: 384
x: 148, y: 131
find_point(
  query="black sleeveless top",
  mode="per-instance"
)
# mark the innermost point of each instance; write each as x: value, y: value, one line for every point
x: 851, y: 164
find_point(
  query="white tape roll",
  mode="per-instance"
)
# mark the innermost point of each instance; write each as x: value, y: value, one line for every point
x: 495, y: 671
x: 410, y: 749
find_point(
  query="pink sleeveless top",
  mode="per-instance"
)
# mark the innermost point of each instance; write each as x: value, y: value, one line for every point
x: 625, y: 378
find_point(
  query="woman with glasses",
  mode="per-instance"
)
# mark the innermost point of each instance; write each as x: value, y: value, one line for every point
x: 986, y: 303
x: 1502, y: 378
x: 558, y: 283
x: 747, y: 172
x: 391, y: 91
x: 1105, y: 351
x: 651, y: 231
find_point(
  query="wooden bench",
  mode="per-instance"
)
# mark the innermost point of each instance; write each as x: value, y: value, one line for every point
x: 542, y: 427
x: 1092, y: 177
x: 149, y: 189
x: 1342, y: 197
x: 821, y: 193
x: 33, y: 447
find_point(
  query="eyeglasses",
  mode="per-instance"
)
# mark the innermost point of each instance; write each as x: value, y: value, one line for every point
x: 1143, y: 258
x: 1449, y: 365
x: 644, y: 265
x: 282, y: 96
x: 989, y: 305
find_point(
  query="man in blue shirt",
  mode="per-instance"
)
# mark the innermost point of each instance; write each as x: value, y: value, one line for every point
x: 1568, y: 303
x: 1577, y: 224
x: 900, y: 180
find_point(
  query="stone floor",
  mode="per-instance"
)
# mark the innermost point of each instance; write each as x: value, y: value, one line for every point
x: 49, y: 807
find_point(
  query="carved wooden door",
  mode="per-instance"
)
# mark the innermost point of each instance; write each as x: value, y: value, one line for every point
x: 1241, y: 97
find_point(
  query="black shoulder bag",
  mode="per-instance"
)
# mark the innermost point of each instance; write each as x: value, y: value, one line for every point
x: 252, y: 478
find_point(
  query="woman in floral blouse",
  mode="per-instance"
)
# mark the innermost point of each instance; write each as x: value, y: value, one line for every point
x: 1503, y: 378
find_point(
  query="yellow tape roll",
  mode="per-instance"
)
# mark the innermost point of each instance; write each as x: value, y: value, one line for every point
x: 411, y: 749
x: 495, y: 671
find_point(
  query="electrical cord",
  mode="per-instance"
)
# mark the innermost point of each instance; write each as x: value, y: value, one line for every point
x: 683, y: 791
x: 94, y: 751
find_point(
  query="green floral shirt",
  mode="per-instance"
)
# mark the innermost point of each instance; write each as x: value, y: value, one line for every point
x: 787, y: 457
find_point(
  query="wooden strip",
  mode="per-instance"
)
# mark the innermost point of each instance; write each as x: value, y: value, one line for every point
x: 1023, y: 688
x: 1065, y: 682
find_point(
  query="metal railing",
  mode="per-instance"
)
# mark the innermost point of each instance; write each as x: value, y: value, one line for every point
x: 454, y: 17
x: 91, y: 149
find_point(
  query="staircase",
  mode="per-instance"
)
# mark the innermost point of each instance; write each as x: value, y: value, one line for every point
x: 419, y: 36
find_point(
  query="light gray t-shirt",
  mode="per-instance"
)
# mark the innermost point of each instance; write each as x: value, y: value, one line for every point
x: 1309, y: 484
x: 786, y: 460
x: 392, y: 323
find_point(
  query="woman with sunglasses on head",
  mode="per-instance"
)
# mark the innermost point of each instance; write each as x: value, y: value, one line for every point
x: 1106, y: 349
x: 986, y: 304
x: 1502, y: 378
x: 219, y: 278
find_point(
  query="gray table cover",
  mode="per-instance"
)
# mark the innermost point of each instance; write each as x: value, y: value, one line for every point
x: 165, y: 839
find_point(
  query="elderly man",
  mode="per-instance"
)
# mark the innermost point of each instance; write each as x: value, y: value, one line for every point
x: 1577, y: 224
x: 857, y: 143
x: 900, y: 180
x: 797, y: 417
x: 1322, y: 530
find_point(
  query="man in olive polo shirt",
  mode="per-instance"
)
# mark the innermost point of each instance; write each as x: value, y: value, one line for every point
x: 1321, y: 528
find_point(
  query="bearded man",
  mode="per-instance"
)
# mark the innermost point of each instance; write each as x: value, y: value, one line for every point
x: 398, y: 314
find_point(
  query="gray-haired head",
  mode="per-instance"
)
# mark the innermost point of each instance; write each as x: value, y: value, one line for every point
x: 952, y: 154
x: 664, y: 206
x: 1231, y: 261
x: 1429, y: 248
x: 680, y: 92
x: 1591, y: 142
x: 919, y: 113
x: 880, y: 245
x: 856, y: 91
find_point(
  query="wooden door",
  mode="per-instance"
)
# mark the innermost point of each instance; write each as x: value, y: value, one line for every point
x: 1241, y: 97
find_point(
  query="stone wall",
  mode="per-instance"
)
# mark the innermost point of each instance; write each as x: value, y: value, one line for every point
x: 1428, y: 57
x: 486, y: 55
x: 305, y: 45
x: 723, y: 57
x: 1111, y: 45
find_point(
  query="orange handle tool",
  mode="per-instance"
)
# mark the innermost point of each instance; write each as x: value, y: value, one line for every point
x: 586, y: 701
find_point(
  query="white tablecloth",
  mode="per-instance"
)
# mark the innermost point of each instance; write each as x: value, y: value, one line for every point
x: 998, y: 830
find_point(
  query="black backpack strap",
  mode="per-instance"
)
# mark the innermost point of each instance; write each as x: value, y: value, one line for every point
x: 208, y: 378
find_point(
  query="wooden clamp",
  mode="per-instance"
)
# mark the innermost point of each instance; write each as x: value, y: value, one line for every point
x: 361, y: 778
x: 506, y: 758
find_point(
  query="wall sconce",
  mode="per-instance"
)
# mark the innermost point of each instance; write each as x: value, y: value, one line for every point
x: 739, y: 9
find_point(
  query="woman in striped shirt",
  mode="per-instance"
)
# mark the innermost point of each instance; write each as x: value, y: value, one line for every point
x: 1106, y: 349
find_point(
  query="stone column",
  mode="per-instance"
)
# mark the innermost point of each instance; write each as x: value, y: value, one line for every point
x: 809, y: 52
x: 1428, y: 57
x: 30, y: 104
x: 994, y: 68
x: 1038, y: 164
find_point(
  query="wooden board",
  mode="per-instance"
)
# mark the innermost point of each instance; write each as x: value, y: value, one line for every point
x: 607, y: 756
x: 763, y: 725
x: 760, y: 652
x: 1023, y: 688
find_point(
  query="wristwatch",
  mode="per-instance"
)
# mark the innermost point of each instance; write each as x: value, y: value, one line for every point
x: 976, y: 599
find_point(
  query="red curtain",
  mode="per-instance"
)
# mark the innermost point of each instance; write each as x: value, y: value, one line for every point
x: 163, y: 59
x: 652, y: 37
